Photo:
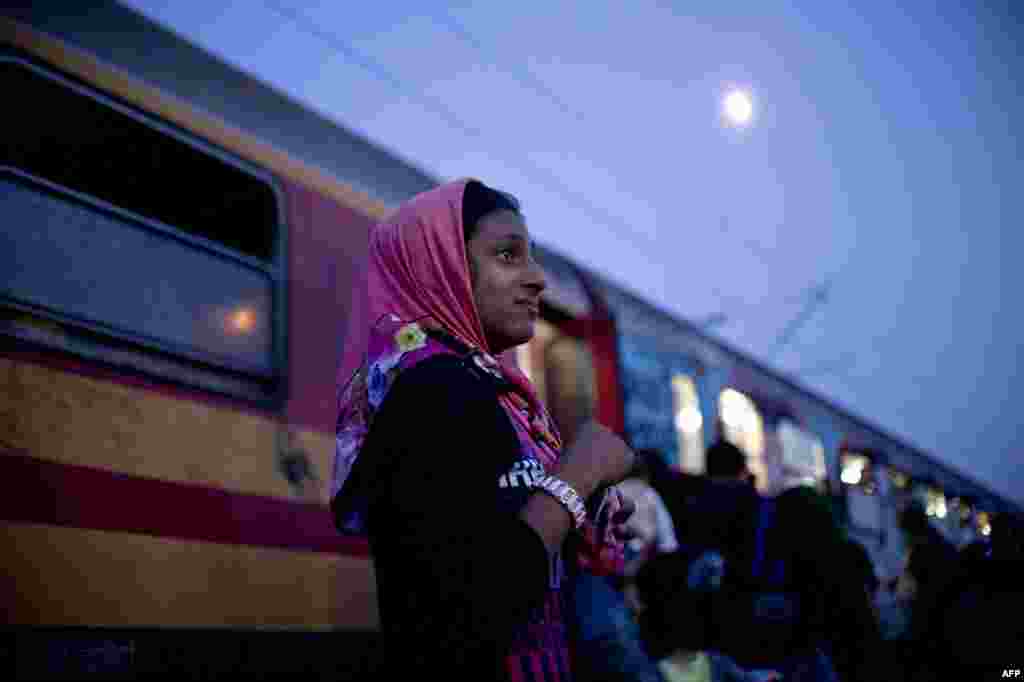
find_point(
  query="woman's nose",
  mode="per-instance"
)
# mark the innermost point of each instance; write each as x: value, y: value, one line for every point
x: 535, y: 277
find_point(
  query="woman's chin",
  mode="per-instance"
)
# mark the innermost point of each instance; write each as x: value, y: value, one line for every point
x: 525, y: 333
x: 513, y: 337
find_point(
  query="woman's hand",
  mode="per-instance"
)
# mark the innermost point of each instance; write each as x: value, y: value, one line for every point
x: 603, y: 549
x: 614, y: 516
x: 597, y: 457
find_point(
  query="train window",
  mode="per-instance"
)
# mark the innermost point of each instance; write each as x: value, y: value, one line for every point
x: 119, y: 231
x: 81, y: 141
x: 983, y: 522
x: 899, y: 480
x: 689, y: 424
x: 965, y: 512
x: 743, y: 426
x: 856, y: 472
x: 864, y: 507
x: 935, y: 503
x: 803, y: 456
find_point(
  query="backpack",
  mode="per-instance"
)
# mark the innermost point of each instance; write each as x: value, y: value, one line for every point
x: 758, y: 614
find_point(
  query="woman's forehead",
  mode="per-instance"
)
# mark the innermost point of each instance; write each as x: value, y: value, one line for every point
x: 503, y: 225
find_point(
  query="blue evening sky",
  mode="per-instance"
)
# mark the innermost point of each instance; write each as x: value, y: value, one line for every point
x: 883, y: 161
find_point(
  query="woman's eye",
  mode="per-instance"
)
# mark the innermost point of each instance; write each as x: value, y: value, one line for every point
x: 507, y: 255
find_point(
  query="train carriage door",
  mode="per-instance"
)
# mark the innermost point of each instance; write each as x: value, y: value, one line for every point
x: 664, y: 390
x: 562, y: 358
x: 562, y: 368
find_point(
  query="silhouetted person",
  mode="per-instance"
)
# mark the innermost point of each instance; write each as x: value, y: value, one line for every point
x: 932, y: 564
x: 765, y: 614
x: 726, y: 462
x: 975, y: 619
x: 850, y: 613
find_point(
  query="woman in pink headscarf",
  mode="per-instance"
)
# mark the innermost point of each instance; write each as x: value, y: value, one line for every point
x: 450, y: 463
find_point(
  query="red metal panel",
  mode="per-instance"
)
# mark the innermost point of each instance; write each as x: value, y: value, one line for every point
x: 604, y: 350
x: 84, y: 497
x: 327, y: 249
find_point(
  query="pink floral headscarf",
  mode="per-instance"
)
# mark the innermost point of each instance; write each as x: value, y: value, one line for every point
x: 420, y: 304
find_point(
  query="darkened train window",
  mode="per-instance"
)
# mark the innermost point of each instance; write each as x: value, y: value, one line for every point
x: 79, y: 142
x: 118, y: 225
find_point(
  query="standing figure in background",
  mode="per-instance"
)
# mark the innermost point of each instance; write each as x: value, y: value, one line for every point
x: 954, y: 608
x: 855, y: 639
x: 682, y: 591
x: 770, y: 611
x: 930, y: 569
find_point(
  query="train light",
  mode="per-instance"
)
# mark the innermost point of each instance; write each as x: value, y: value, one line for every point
x: 851, y: 474
x: 689, y: 424
x: 935, y: 503
x: 854, y: 469
x: 689, y: 419
x: 736, y: 409
x: 242, y: 320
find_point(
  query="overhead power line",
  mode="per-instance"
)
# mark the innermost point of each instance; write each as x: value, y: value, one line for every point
x: 528, y: 79
x: 840, y: 365
x: 524, y: 75
x: 816, y: 297
x: 543, y: 175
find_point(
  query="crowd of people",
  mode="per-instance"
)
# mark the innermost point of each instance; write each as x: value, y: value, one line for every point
x: 503, y: 553
x: 755, y: 588
x: 760, y: 587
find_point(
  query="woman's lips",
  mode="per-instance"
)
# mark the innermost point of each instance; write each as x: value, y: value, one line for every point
x: 531, y: 307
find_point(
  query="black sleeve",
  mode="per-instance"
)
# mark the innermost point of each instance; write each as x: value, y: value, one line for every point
x: 451, y: 561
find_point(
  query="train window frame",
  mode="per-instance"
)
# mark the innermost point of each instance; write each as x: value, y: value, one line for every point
x: 29, y: 324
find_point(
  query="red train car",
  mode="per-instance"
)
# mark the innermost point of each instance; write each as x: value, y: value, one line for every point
x: 177, y: 296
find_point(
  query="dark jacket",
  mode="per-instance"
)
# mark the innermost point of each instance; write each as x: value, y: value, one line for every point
x: 463, y: 584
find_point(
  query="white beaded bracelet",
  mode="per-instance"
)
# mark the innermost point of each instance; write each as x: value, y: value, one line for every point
x: 566, y: 495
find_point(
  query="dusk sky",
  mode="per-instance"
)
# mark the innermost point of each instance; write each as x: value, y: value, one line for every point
x: 882, y: 166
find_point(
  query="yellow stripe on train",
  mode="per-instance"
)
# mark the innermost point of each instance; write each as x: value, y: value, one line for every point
x: 70, y: 576
x: 69, y: 418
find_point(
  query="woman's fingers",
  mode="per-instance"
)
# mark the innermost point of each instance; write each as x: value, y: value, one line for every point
x: 626, y: 508
x: 624, y: 532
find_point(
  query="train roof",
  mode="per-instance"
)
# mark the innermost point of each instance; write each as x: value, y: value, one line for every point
x: 126, y: 40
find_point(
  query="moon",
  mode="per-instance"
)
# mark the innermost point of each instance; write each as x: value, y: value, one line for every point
x: 738, y: 107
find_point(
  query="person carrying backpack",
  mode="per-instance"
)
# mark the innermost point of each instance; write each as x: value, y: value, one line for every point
x: 771, y: 610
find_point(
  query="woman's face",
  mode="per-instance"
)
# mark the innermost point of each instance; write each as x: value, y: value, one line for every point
x: 506, y: 280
